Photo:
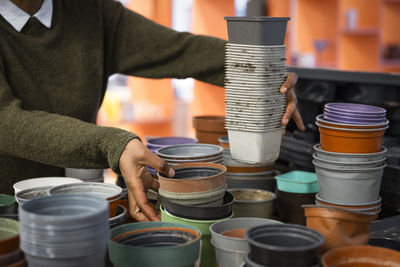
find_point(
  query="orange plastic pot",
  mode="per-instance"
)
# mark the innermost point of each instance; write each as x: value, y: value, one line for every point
x: 342, y: 140
x: 196, y: 184
x: 339, y: 227
x: 366, y: 256
x: 9, y: 236
x: 255, y: 169
x: 209, y: 128
x: 321, y: 120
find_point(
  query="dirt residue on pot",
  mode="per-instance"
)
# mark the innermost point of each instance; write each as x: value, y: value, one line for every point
x: 252, y: 195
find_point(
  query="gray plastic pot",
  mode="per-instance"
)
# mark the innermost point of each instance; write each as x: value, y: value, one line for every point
x: 349, y: 157
x: 26, y: 195
x: 350, y: 164
x: 172, y: 255
x: 252, y: 202
x: 351, y: 186
x: 260, y: 181
x: 97, y: 259
x: 257, y: 30
x: 231, y: 251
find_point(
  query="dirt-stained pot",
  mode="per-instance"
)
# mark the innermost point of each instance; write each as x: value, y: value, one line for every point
x: 340, y: 227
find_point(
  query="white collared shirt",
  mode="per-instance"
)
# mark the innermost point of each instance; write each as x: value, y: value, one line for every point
x: 18, y: 17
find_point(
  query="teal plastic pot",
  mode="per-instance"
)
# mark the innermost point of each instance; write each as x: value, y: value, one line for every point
x: 297, y: 182
x: 7, y: 204
x: 208, y: 258
x: 182, y: 255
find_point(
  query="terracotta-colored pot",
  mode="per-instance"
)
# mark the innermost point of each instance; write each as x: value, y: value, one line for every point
x: 209, y: 128
x: 198, y: 184
x: 223, y: 141
x: 9, y: 236
x: 368, y: 256
x: 340, y: 227
x: 238, y: 233
x: 321, y: 120
x: 256, y: 169
x: 342, y: 140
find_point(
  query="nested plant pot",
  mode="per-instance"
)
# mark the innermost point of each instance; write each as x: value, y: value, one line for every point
x: 368, y: 207
x: 112, y: 193
x: 263, y: 31
x: 252, y: 202
x: 190, y: 152
x: 290, y: 206
x: 209, y: 128
x: 7, y: 204
x: 361, y: 256
x: 155, y: 143
x: 284, y: 245
x: 119, y: 218
x: 26, y: 195
x: 228, y: 238
x: 44, y: 181
x: 350, y: 157
x: 339, y: 226
x: 349, y: 186
x: 209, y: 212
x: 262, y: 180
x: 9, y: 236
x: 208, y: 258
x: 154, y: 244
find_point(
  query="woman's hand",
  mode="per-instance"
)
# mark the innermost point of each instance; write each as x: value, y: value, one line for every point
x: 291, y: 109
x: 133, y: 165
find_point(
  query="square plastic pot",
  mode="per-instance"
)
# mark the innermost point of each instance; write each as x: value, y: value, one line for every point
x: 255, y: 147
x: 257, y: 30
x: 297, y: 182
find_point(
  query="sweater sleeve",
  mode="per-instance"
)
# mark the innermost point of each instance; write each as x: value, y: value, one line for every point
x: 140, y: 47
x: 55, y: 139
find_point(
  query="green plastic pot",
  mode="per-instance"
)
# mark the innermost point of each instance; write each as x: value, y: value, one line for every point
x: 183, y: 255
x: 7, y: 204
x: 208, y: 258
x: 297, y: 182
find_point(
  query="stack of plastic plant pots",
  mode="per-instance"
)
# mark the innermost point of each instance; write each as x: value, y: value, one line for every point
x: 349, y: 164
x: 159, y: 142
x: 64, y: 230
x: 196, y: 196
x: 255, y: 70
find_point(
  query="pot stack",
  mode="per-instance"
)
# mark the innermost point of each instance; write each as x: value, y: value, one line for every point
x: 349, y: 163
x: 196, y: 196
x: 255, y: 69
x: 10, y: 254
x: 64, y: 230
x: 150, y: 244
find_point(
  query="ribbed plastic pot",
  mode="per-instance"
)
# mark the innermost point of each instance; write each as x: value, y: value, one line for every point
x: 119, y: 218
x: 351, y: 186
x: 112, y: 193
x: 26, y: 195
x: 321, y: 120
x: 342, y: 140
x: 340, y: 227
x: 284, y: 245
x: 231, y: 247
x: 155, y: 244
x: 349, y: 157
x: 156, y: 143
x: 9, y: 236
x: 208, y: 258
x: 361, y: 256
x: 348, y: 165
x: 265, y: 31
x: 368, y: 207
x: 209, y: 128
x: 190, y: 152
x: 7, y: 204
x: 289, y: 206
x: 64, y: 230
x: 252, y: 202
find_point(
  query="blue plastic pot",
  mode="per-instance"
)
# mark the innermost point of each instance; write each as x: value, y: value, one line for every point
x: 297, y: 182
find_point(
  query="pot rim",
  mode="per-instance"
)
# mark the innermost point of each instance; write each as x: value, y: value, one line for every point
x: 195, y: 165
x: 318, y: 149
x: 320, y: 118
x: 352, y: 129
x: 191, y: 220
x: 252, y: 201
x: 116, y: 194
x: 379, y: 200
x: 340, y: 213
x: 218, y: 151
x: 382, y: 166
x: 318, y: 238
x: 314, y: 155
x: 149, y: 141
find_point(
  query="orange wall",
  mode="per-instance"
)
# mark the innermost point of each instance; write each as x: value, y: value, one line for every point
x: 208, y: 18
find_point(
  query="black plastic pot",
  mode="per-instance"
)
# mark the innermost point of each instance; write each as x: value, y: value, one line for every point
x: 199, y: 212
x: 384, y: 243
x: 284, y: 245
x: 257, y: 30
x: 290, y: 206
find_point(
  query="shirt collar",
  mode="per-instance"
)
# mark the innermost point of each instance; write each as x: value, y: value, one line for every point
x: 18, y: 18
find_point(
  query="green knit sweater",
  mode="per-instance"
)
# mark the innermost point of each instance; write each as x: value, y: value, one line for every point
x: 52, y: 83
